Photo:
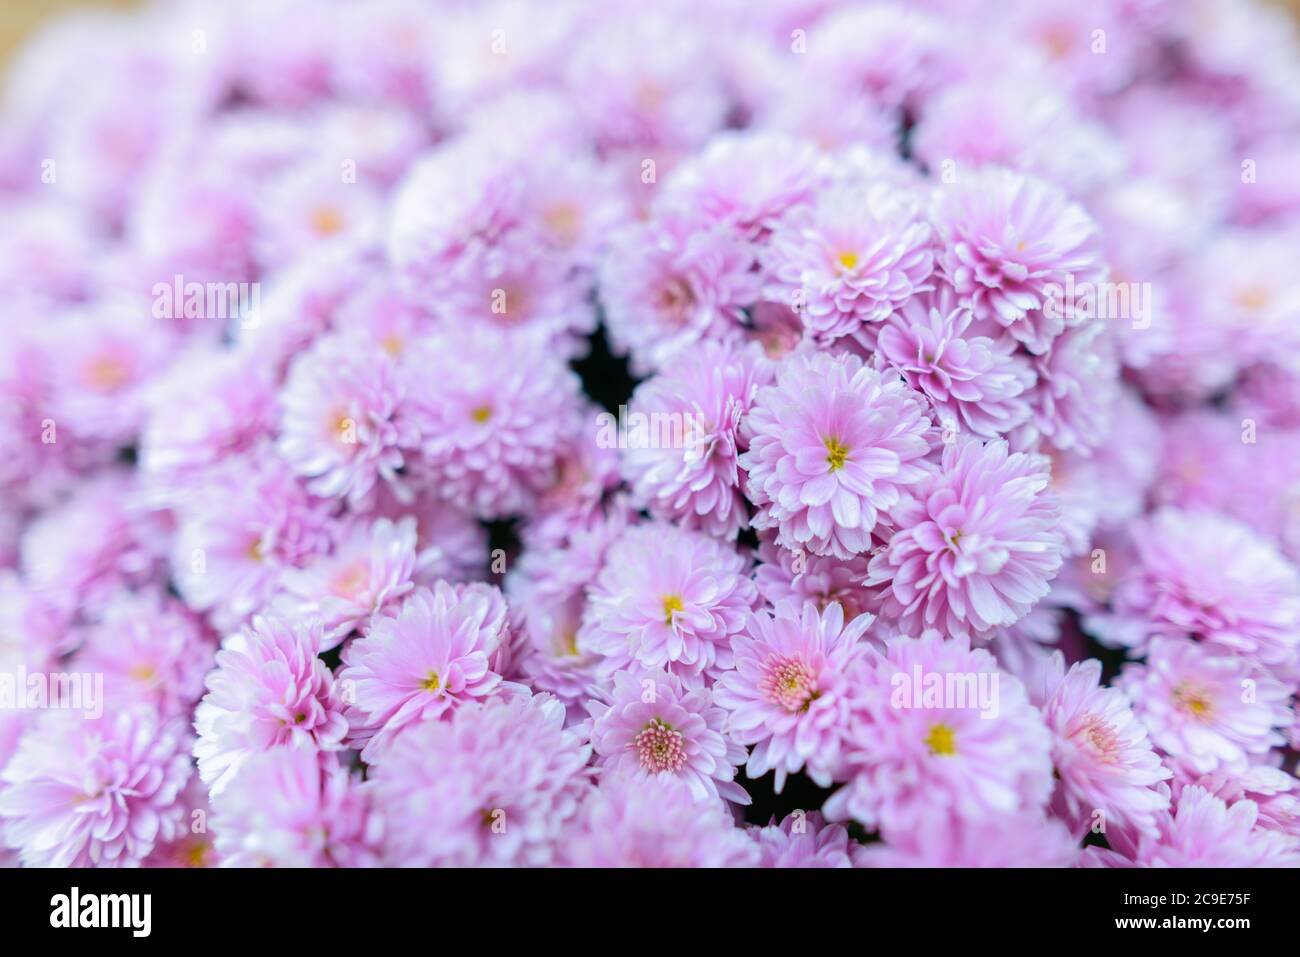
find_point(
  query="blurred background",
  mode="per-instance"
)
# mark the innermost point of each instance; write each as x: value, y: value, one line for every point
x: 18, y: 18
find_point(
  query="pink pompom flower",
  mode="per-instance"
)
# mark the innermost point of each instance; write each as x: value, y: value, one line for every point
x: 977, y: 546
x: 833, y: 443
x: 789, y: 695
x: 495, y: 785
x: 430, y: 657
x: 655, y: 725
x: 95, y: 793
x: 269, y: 690
x: 667, y: 597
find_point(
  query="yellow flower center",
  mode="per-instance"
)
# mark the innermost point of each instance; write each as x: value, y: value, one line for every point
x: 1193, y: 701
x: 848, y: 260
x: 107, y: 374
x: 481, y: 414
x: 431, y: 683
x: 672, y: 603
x: 942, y: 740
x: 326, y: 220
x: 836, y: 454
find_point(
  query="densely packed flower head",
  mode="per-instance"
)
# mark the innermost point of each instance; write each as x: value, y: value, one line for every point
x: 805, y: 434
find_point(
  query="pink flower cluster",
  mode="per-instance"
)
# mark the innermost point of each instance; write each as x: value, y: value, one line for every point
x: 607, y: 434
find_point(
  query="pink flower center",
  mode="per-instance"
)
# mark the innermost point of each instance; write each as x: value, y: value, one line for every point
x: 1098, y: 736
x: 788, y: 683
x: 659, y: 748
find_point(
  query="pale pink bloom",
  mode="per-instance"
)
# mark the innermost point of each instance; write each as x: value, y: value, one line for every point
x: 1104, y: 761
x: 212, y: 405
x: 269, y: 691
x: 803, y: 840
x: 1207, y: 710
x: 832, y: 445
x: 655, y: 822
x: 653, y: 725
x: 239, y: 531
x: 497, y: 785
x: 687, y: 472
x: 977, y: 384
x: 925, y: 739
x: 747, y: 179
x: 977, y: 546
x: 941, y: 840
x: 368, y: 574
x: 784, y: 575
x: 491, y: 409
x: 315, y: 204
x: 1205, y: 832
x: 670, y: 283
x: 850, y: 258
x: 668, y: 598
x: 421, y: 663
x: 1204, y: 574
x: 1010, y: 242
x: 108, y: 358
x: 95, y: 793
x: 789, y: 695
x: 343, y: 424
x: 288, y: 808
x: 148, y: 649
x: 648, y: 83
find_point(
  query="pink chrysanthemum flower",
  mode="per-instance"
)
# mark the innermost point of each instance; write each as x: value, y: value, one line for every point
x: 802, y: 840
x: 496, y: 785
x: 689, y: 474
x: 832, y: 444
x: 83, y: 552
x: 449, y: 544
x: 429, y: 658
x: 491, y: 409
x: 783, y: 575
x: 1003, y: 840
x: 463, y: 193
x: 1207, y: 710
x: 976, y: 548
x: 288, y: 808
x: 108, y: 356
x: 977, y: 384
x: 1011, y: 241
x: 213, y: 405
x: 518, y: 284
x: 95, y: 793
x: 269, y: 690
x: 1205, y: 832
x: 940, y: 729
x: 195, y: 844
x: 343, y: 424
x: 667, y: 597
x: 313, y: 205
x: 789, y: 694
x: 1103, y: 758
x: 239, y: 531
x: 655, y: 822
x: 1077, y: 385
x: 747, y: 179
x: 368, y: 574
x: 1204, y: 574
x: 850, y: 258
x: 655, y: 725
x: 149, y: 650
x: 670, y: 283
